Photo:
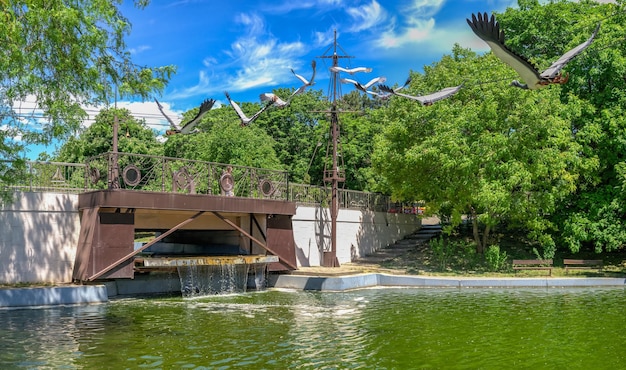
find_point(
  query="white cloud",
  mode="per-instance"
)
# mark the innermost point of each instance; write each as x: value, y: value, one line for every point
x: 257, y: 58
x: 149, y: 112
x: 366, y: 16
x: 324, y: 38
x: 28, y: 111
x: 139, y: 49
x: 209, y: 61
x: 287, y: 6
x: 420, y: 30
x: 424, y: 8
x: 414, y: 23
x: 201, y: 87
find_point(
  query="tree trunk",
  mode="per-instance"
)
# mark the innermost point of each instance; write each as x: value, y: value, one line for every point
x: 486, y: 236
x: 479, y: 246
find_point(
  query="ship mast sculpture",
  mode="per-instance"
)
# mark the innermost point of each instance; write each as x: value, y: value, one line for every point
x: 336, y: 174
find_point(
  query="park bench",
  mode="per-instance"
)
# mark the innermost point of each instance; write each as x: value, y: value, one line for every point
x: 572, y: 264
x: 533, y: 265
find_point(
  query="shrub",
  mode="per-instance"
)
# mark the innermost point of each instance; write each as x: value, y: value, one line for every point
x: 442, y: 252
x: 496, y: 259
x: 468, y: 259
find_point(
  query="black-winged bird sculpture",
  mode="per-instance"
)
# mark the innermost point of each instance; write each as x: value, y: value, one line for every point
x: 489, y: 31
x: 187, y: 127
x: 364, y: 87
x: 245, y: 120
x: 386, y: 95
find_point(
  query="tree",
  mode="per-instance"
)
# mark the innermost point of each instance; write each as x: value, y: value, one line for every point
x: 223, y: 140
x: 297, y: 129
x: 67, y: 55
x: 593, y: 217
x: 357, y: 130
x: 495, y: 153
x: 134, y: 137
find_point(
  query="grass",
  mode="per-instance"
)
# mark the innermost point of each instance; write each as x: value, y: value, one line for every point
x: 461, y: 260
x: 27, y: 285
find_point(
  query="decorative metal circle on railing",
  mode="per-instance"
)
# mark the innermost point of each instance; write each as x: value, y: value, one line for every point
x: 227, y: 183
x: 182, y: 179
x: 94, y: 175
x: 266, y: 188
x: 131, y: 175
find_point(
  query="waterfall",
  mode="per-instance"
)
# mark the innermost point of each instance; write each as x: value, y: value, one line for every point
x: 224, y: 278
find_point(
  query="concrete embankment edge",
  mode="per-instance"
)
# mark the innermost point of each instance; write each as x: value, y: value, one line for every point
x: 90, y: 294
x: 52, y: 296
x: 324, y: 283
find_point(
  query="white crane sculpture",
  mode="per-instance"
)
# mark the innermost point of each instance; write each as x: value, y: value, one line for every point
x: 425, y: 99
x: 305, y: 83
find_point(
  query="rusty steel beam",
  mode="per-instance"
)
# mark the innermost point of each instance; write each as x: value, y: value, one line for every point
x: 264, y: 246
x: 182, y: 202
x: 147, y: 245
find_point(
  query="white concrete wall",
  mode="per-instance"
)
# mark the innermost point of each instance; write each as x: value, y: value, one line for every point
x: 38, y: 238
x: 358, y: 233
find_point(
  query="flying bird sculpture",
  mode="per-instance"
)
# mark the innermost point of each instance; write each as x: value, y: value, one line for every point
x: 358, y: 85
x: 275, y: 99
x: 425, y: 99
x: 489, y: 31
x: 188, y: 127
x: 386, y: 95
x: 350, y: 70
x: 305, y: 83
x: 245, y: 120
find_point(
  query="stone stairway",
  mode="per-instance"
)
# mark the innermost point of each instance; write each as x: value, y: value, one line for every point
x: 402, y: 246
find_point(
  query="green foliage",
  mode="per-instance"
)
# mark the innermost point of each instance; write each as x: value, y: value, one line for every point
x: 592, y: 217
x: 296, y: 130
x: 11, y: 173
x: 442, y: 252
x: 548, y: 161
x: 467, y: 258
x: 448, y: 252
x: 226, y: 142
x: 133, y: 137
x: 496, y: 260
x: 67, y: 55
x: 356, y: 150
x: 502, y: 154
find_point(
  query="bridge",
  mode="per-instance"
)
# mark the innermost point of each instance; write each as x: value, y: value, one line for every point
x: 191, y: 208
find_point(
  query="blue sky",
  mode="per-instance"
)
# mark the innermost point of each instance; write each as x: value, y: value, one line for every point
x: 249, y: 47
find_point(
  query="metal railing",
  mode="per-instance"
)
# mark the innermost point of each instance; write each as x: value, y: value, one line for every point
x: 38, y: 176
x: 175, y: 175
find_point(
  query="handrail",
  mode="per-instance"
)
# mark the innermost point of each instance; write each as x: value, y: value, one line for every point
x: 143, y: 172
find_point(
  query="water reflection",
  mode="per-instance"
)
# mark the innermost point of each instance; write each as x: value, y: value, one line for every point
x: 382, y: 329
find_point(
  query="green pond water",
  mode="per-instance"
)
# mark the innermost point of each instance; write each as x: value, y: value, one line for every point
x: 364, y: 329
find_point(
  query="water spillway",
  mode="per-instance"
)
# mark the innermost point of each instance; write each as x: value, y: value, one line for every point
x: 164, y: 262
x: 209, y: 275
